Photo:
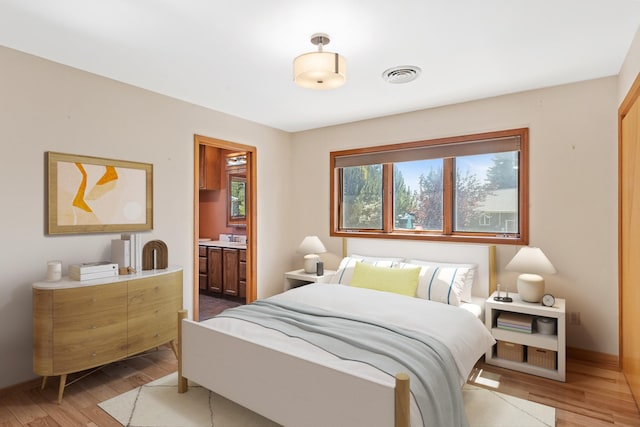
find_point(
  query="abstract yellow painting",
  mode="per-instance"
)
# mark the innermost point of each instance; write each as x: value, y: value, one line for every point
x: 92, y: 194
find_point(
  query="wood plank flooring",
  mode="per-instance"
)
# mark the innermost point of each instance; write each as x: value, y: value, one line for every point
x: 592, y: 396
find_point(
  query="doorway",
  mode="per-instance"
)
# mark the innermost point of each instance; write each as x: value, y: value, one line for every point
x: 221, y: 170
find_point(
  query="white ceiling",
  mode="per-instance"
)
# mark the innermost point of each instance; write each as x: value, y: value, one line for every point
x: 235, y: 56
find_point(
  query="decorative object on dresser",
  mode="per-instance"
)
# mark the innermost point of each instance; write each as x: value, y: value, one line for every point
x: 311, y: 246
x: 90, y: 195
x: 93, y: 270
x: 530, y: 262
x: 155, y: 255
x: 54, y: 271
x: 79, y: 325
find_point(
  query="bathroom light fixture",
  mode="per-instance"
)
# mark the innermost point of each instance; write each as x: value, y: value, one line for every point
x: 311, y: 246
x: 320, y: 70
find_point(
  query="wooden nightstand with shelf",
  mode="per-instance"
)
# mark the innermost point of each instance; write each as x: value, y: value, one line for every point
x: 295, y: 278
x: 534, y: 353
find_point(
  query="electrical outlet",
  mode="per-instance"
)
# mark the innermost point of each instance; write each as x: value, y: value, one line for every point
x: 574, y: 318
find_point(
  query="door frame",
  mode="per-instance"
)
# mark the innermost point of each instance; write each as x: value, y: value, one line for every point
x: 251, y: 211
x: 632, y: 96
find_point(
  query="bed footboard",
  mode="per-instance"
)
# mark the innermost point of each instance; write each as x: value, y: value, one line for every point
x: 286, y: 389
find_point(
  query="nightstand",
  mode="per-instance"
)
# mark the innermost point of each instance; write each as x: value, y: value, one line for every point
x: 535, y: 353
x: 295, y: 278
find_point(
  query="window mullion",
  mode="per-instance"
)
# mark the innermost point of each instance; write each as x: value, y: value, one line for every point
x: 387, y: 197
x: 447, y: 196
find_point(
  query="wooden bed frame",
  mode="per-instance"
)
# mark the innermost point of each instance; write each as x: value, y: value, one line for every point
x: 294, y: 391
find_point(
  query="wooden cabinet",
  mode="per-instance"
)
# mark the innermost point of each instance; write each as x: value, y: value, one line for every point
x: 230, y: 271
x: 214, y: 264
x: 210, y: 168
x: 79, y: 325
x: 202, y: 269
x: 151, y: 311
x: 227, y: 271
x: 242, y: 273
x: 89, y: 326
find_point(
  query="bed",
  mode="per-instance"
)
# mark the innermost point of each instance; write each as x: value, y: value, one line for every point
x: 295, y: 380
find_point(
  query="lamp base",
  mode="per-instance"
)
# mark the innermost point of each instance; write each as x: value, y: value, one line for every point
x: 530, y: 287
x: 310, y: 262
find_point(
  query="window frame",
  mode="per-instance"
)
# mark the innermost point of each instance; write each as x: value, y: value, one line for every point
x: 440, y: 144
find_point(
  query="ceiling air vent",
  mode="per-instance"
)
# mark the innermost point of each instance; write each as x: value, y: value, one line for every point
x: 402, y: 74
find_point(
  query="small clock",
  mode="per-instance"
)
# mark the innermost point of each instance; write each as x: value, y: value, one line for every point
x: 548, y: 300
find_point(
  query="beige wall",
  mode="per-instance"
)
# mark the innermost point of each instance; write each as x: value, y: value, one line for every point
x: 630, y: 68
x: 573, y: 186
x: 49, y: 107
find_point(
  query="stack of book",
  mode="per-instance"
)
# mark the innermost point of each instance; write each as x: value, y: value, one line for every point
x: 515, y: 322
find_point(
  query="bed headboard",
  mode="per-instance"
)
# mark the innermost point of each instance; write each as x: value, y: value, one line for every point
x: 482, y: 255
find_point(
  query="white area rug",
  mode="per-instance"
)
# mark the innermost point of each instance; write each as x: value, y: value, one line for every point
x: 158, y: 404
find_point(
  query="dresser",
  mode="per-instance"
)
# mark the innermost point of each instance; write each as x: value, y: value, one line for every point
x: 79, y: 325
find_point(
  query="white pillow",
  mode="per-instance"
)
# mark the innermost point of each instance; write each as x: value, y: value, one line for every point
x: 374, y: 259
x: 441, y: 284
x: 469, y: 278
x: 347, y: 265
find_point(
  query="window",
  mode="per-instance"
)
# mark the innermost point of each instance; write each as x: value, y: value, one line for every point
x: 467, y: 188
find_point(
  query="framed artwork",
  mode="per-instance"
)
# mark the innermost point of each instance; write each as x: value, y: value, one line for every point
x: 93, y: 195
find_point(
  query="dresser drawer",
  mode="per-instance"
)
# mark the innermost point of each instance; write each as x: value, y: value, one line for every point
x: 88, y: 347
x: 202, y: 251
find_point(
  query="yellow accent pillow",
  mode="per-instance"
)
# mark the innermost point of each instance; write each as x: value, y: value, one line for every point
x: 399, y: 280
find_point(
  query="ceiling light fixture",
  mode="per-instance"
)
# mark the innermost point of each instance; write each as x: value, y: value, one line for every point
x: 320, y: 70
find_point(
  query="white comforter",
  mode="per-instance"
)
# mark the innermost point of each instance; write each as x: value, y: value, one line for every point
x: 462, y: 332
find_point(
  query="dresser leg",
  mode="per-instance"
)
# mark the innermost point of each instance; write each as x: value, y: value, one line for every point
x: 174, y: 347
x: 63, y: 381
x: 44, y: 382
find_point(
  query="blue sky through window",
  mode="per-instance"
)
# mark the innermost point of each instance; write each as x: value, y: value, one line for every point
x: 477, y: 165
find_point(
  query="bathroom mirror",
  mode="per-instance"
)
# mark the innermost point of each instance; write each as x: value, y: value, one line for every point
x: 236, y: 200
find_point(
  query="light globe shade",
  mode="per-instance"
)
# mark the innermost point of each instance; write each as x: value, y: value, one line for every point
x: 311, y: 246
x: 531, y: 262
x: 320, y: 70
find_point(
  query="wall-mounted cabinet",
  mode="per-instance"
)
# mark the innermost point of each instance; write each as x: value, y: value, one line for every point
x: 210, y: 169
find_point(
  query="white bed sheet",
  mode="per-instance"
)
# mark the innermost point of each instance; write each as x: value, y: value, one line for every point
x: 459, y: 329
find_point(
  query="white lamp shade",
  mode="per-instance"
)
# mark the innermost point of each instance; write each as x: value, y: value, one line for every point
x: 531, y: 262
x: 311, y: 245
x: 320, y: 70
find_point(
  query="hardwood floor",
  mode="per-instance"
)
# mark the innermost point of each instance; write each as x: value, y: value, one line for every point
x: 592, y: 396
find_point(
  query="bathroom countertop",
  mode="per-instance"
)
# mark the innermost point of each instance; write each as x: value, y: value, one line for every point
x: 221, y: 244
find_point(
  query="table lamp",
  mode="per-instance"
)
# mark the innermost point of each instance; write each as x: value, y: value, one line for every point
x: 311, y: 246
x: 530, y: 262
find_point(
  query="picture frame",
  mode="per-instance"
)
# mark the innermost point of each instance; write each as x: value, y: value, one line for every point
x: 88, y: 194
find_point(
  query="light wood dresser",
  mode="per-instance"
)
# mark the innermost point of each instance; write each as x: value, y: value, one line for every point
x: 78, y: 325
